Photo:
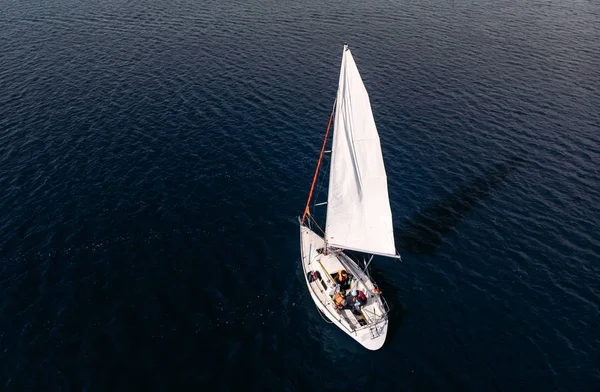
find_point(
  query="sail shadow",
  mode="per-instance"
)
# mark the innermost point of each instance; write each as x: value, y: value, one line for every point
x: 423, y: 233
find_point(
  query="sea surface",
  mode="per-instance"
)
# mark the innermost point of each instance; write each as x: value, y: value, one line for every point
x: 155, y: 155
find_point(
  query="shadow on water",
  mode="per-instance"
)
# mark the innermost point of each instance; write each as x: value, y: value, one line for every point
x: 423, y: 233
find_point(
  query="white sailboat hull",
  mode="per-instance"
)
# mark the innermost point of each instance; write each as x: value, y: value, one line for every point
x: 370, y: 328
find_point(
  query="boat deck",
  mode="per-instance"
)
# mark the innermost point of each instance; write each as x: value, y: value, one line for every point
x: 332, y: 263
x: 369, y: 326
x: 328, y: 265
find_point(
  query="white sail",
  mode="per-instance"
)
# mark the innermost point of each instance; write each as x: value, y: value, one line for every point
x: 358, y: 207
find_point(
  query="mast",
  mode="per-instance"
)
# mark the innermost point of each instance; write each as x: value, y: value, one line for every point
x: 312, y: 187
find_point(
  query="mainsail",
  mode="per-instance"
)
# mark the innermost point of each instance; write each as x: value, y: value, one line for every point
x: 358, y: 207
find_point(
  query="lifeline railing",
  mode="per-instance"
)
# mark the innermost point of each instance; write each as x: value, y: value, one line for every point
x: 353, y: 266
x: 333, y: 316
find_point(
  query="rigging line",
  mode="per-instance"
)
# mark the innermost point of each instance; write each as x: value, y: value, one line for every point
x: 324, y: 317
x: 312, y: 187
x: 313, y: 219
x: 319, y: 187
x: 321, y: 181
x: 321, y: 184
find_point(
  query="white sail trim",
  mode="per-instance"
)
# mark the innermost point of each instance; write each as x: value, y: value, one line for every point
x: 358, y: 207
x: 394, y: 255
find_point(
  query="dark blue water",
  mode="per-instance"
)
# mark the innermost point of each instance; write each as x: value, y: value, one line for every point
x: 154, y: 156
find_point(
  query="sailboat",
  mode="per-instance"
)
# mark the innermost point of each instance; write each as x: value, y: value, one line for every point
x: 358, y: 218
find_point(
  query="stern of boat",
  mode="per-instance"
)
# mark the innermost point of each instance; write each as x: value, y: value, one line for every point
x: 374, y: 338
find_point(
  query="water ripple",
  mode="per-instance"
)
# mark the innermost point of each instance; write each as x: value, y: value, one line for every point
x: 146, y: 145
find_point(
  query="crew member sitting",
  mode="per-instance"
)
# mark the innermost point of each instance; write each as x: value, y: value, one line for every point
x: 358, y: 299
x: 342, y: 279
x: 339, y: 301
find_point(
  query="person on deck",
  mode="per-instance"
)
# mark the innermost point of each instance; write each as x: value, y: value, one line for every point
x: 358, y: 299
x: 339, y: 301
x: 343, y: 280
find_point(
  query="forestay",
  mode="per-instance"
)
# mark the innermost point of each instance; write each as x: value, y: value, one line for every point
x: 358, y: 208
